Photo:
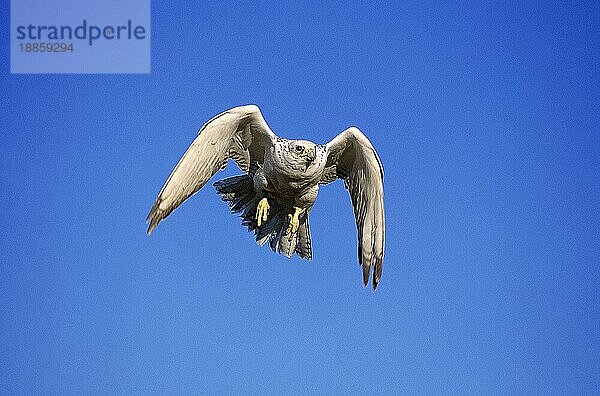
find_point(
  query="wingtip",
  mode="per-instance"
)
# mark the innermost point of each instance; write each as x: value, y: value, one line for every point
x: 366, y: 272
x: 366, y: 269
x: 149, y: 230
x: 153, y: 218
x: 375, y: 283
x: 377, y: 272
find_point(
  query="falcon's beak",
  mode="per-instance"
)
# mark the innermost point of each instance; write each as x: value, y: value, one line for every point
x: 311, y: 155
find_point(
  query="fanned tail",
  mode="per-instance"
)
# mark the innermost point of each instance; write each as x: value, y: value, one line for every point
x: 239, y: 193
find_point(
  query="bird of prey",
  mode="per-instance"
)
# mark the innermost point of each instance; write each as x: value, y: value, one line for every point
x: 282, y: 177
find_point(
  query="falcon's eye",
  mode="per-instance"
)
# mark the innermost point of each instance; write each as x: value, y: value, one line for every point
x: 299, y: 148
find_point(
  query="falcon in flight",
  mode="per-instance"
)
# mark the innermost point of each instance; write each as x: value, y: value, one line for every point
x: 281, y: 181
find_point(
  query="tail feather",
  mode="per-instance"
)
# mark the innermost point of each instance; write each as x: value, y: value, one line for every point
x: 267, y: 231
x: 233, y: 184
x: 304, y: 246
x: 239, y: 203
x: 281, y: 243
x: 300, y: 243
x: 239, y: 192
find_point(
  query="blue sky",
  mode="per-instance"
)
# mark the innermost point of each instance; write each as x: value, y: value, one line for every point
x: 486, y: 119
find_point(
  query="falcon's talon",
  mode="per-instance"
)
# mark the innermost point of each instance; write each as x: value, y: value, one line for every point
x: 293, y: 223
x: 262, y: 211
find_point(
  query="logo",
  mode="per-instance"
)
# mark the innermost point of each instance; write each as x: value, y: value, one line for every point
x: 70, y: 36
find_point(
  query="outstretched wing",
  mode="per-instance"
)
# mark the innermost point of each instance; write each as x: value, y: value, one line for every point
x: 240, y: 134
x: 357, y: 163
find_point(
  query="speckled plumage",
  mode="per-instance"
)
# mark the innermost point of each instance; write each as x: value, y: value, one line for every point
x: 281, y: 182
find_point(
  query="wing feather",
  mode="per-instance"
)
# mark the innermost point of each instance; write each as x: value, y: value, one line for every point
x: 240, y: 134
x: 357, y: 163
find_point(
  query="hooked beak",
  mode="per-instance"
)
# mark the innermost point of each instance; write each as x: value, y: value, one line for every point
x: 311, y: 154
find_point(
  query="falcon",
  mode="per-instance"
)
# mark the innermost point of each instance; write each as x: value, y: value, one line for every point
x: 280, y: 183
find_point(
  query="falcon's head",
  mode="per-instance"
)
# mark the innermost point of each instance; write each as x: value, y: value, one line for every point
x: 303, y: 151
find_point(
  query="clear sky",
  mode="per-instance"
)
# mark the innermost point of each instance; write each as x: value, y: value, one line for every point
x: 486, y: 119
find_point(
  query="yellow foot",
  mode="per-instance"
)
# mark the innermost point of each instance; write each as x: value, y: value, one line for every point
x: 293, y: 223
x: 262, y: 211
